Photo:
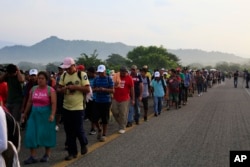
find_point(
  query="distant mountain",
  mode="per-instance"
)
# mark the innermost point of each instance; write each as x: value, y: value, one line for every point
x: 54, y: 49
x: 5, y: 43
x: 189, y: 56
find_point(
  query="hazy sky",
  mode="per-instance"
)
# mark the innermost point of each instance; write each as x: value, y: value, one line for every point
x: 210, y: 25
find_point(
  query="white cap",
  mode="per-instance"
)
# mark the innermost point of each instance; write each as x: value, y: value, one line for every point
x: 33, y: 72
x: 67, y: 62
x: 101, y: 68
x: 157, y: 74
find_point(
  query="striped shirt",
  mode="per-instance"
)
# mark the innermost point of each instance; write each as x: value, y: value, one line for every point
x: 104, y: 82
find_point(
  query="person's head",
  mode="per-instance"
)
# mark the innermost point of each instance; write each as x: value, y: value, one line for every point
x: 143, y: 72
x: 185, y: 69
x: 42, y: 78
x: 162, y: 71
x: 198, y: 72
x: 133, y: 70
x: 173, y: 72
x: 60, y: 70
x: 11, y: 69
x: 157, y: 75
x: 80, y: 67
x: 145, y: 67
x: 123, y: 71
x: 33, y: 75
x: 69, y: 65
x: 178, y: 70
x: 101, y: 70
x: 91, y: 72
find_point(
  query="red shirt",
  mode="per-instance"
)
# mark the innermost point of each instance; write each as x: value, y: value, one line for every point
x: 4, y: 91
x: 122, y: 93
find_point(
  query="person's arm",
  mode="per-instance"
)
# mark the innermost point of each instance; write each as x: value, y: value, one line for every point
x: 141, y: 91
x: 53, y: 106
x: 20, y: 76
x: 28, y: 107
x: 132, y: 95
x: 84, y: 89
x: 3, y: 131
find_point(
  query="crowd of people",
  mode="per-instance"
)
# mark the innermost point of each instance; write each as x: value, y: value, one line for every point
x: 40, y: 101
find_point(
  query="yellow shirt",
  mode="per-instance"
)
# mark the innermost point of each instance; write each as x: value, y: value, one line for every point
x: 148, y: 74
x: 74, y: 100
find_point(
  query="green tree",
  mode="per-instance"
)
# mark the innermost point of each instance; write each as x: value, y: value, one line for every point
x: 51, y: 67
x: 89, y: 60
x: 114, y: 61
x: 154, y: 57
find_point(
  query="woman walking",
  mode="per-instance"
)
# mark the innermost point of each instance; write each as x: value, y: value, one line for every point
x: 40, y: 130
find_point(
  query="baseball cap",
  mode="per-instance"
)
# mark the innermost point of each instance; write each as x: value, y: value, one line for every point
x: 101, y: 68
x: 134, y: 67
x: 178, y: 69
x: 33, y: 72
x: 67, y: 62
x: 123, y: 69
x: 80, y: 67
x: 157, y: 74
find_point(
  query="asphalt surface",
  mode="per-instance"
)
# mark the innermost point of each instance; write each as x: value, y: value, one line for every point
x: 199, y: 134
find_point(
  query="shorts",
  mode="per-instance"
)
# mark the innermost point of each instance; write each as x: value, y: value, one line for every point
x: 174, y: 97
x: 101, y: 111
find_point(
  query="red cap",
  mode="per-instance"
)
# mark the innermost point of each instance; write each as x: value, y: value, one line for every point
x: 80, y: 67
x: 178, y: 69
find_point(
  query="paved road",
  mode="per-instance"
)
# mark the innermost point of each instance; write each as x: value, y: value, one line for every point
x: 200, y: 134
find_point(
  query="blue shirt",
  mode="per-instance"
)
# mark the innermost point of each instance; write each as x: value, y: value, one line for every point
x: 104, y: 82
x: 158, y: 88
x: 91, y: 82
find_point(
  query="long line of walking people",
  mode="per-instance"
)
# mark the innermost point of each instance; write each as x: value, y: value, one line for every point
x: 73, y: 95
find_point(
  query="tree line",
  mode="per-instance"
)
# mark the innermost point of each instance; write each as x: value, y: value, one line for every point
x: 152, y: 56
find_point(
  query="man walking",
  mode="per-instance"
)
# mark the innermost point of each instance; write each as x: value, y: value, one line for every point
x: 74, y: 85
x: 124, y: 91
x: 134, y: 109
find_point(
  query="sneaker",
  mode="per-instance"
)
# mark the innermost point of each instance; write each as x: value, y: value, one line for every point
x: 30, y: 160
x: 99, y: 135
x: 45, y: 158
x: 70, y: 157
x: 57, y: 128
x: 121, y: 131
x: 84, y: 149
x: 103, y: 139
x: 92, y: 132
x: 156, y: 114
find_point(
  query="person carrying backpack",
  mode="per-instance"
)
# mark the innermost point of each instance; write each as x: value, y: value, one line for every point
x: 158, y: 92
x: 74, y: 88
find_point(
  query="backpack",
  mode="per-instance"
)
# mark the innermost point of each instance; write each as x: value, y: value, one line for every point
x: 174, y: 85
x: 13, y: 130
x: 163, y: 85
x: 78, y: 74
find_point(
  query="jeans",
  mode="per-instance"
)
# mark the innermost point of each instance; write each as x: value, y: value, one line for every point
x: 134, y: 111
x: 235, y: 82
x: 157, y: 104
x: 199, y: 88
x: 73, y: 126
